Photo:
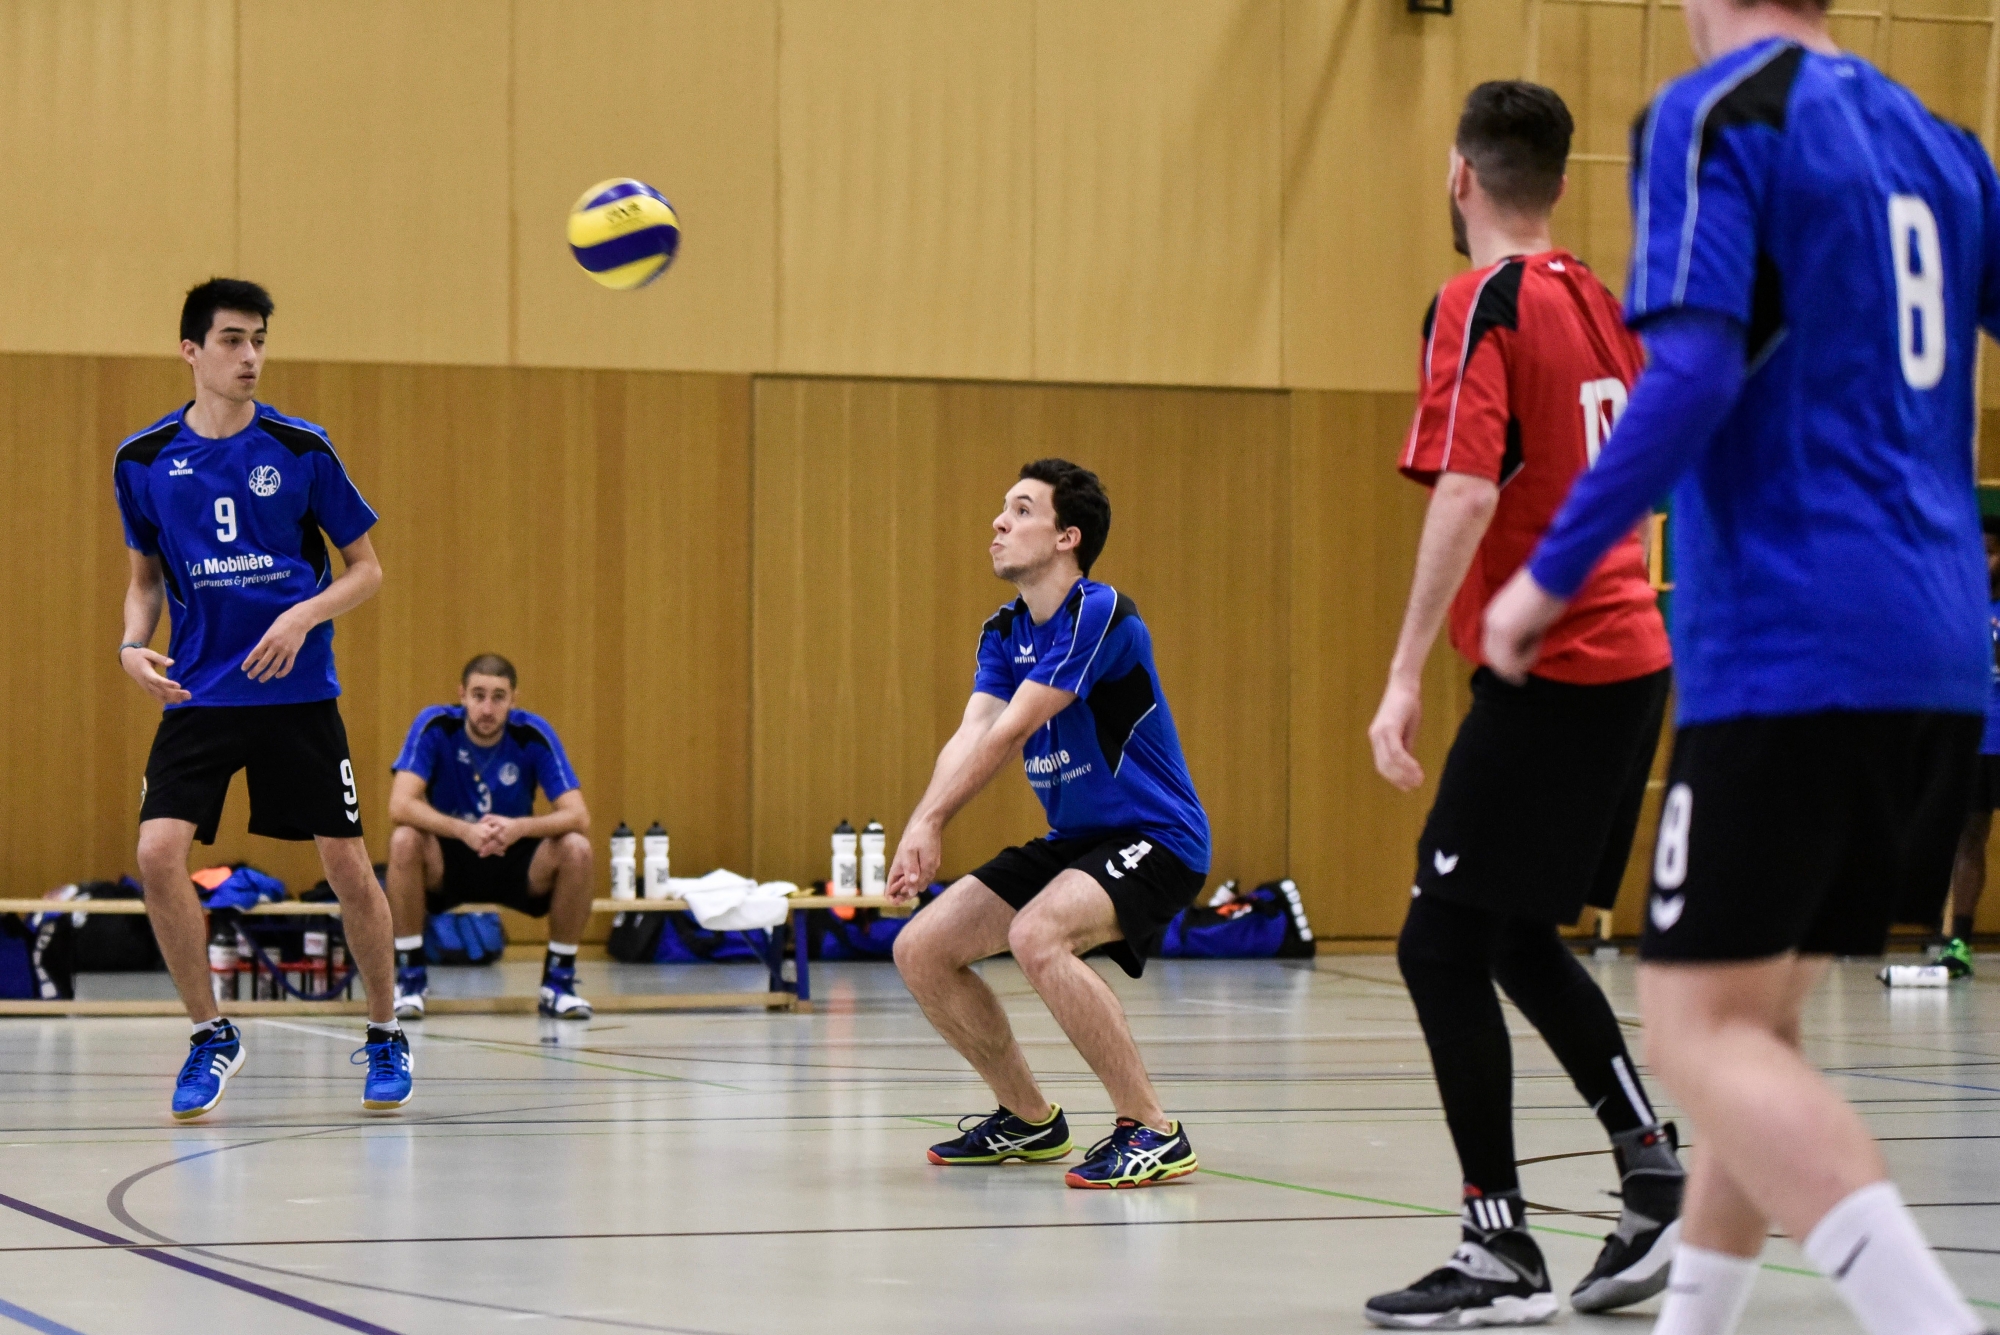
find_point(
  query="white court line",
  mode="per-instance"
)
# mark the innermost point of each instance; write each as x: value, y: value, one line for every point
x: 344, y: 1035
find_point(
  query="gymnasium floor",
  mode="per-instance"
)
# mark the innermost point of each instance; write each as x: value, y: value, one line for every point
x: 746, y: 1174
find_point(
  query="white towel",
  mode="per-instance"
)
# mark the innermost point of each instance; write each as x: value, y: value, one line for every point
x: 722, y: 901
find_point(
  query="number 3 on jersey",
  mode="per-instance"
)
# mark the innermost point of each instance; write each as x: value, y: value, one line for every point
x: 1131, y: 856
x: 1603, y: 404
x: 1919, y: 263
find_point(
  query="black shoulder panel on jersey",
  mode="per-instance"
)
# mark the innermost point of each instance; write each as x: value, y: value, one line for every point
x: 295, y: 438
x: 312, y: 547
x: 1002, y: 621
x: 1760, y: 99
x: 144, y: 449
x: 1499, y: 305
x: 1430, y: 317
x: 1116, y: 707
x: 446, y: 724
x: 525, y: 734
x: 1124, y: 607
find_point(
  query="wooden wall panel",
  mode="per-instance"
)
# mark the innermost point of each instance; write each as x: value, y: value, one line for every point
x: 1158, y: 134
x: 1372, y: 96
x: 906, y: 135
x: 373, y: 190
x: 592, y: 526
x: 693, y: 112
x: 1355, y: 524
x: 118, y: 153
x: 872, y: 506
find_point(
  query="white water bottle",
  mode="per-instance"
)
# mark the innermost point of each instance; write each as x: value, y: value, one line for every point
x: 1916, y: 975
x: 656, y: 861
x: 874, y: 859
x: 624, y: 863
x: 845, y: 876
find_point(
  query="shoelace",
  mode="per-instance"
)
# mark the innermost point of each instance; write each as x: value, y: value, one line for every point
x: 1113, y: 1144
x: 984, y: 1124
x: 199, y: 1058
x: 381, y: 1059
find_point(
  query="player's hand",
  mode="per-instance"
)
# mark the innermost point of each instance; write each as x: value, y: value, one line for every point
x: 1393, y: 734
x: 918, y: 854
x: 502, y: 832
x: 1516, y: 620
x: 279, y: 649
x: 478, y: 836
x: 143, y: 666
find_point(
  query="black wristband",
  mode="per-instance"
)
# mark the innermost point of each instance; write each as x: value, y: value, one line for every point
x: 129, y: 644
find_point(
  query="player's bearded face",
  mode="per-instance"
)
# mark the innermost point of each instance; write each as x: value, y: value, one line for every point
x: 1025, y: 532
x: 487, y: 701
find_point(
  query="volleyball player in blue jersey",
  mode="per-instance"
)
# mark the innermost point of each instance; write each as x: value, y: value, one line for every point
x: 228, y: 505
x: 1813, y: 255
x: 1066, y: 686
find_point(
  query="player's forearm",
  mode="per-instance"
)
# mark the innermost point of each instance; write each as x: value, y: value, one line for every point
x: 352, y: 587
x: 143, y: 605
x: 967, y: 764
x: 554, y: 824
x: 1461, y: 508
x: 419, y: 814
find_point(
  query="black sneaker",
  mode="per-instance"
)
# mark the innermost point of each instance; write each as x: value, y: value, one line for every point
x: 1636, y: 1257
x: 1001, y: 1136
x: 1494, y: 1279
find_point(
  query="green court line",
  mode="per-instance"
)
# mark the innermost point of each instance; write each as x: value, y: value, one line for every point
x: 1538, y: 1228
x: 932, y: 1121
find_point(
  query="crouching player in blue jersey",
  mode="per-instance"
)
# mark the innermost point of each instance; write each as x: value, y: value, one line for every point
x: 1813, y: 255
x: 1066, y: 682
x: 228, y: 505
x: 463, y: 801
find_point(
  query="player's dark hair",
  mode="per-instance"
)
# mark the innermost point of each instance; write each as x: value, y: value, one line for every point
x: 1516, y: 136
x: 1080, y: 504
x: 489, y: 665
x: 221, y: 294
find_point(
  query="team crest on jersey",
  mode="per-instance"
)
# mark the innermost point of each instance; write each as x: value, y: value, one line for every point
x: 510, y: 774
x: 264, y: 480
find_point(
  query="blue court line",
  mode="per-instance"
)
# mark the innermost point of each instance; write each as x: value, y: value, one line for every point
x: 193, y: 1268
x: 34, y: 1322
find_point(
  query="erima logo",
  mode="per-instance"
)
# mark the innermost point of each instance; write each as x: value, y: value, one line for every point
x: 1024, y: 653
x: 1666, y: 910
x: 1048, y: 764
x: 264, y: 480
x: 1444, y: 864
x: 180, y: 469
x: 230, y: 565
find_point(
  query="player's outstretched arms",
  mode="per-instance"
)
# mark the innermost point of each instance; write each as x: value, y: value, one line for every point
x: 1461, y: 508
x: 145, y: 598
x: 990, y: 734
x: 409, y: 805
x: 357, y: 582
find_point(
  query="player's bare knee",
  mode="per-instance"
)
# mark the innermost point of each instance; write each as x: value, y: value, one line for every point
x: 1037, y: 941
x: 406, y: 845
x: 161, y: 857
x: 574, y: 851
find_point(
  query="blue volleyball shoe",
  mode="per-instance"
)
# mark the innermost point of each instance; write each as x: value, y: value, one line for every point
x: 558, y: 999
x: 388, y: 1084
x: 412, y: 983
x: 211, y: 1060
x: 1000, y: 1136
x: 1135, y: 1155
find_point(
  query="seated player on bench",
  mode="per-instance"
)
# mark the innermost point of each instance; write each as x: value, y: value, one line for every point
x: 463, y: 804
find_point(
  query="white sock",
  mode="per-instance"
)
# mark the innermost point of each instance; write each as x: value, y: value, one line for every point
x: 1871, y: 1249
x: 1706, y: 1292
x: 558, y: 948
x: 204, y: 1029
x: 392, y: 1025
x: 410, y: 942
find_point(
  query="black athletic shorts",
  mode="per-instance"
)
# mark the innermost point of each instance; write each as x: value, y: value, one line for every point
x: 300, y: 778
x: 1540, y: 795
x: 471, y: 879
x: 1810, y: 832
x: 1986, y: 784
x: 1147, y: 884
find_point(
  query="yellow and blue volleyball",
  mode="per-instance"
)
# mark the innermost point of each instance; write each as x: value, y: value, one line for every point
x: 624, y: 233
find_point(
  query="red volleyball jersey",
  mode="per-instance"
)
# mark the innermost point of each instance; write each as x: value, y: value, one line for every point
x: 1526, y: 366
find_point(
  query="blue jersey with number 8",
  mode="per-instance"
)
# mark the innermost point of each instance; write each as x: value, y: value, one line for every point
x: 1827, y: 545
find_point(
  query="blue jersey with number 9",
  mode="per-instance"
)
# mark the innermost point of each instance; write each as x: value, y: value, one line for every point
x: 1827, y: 545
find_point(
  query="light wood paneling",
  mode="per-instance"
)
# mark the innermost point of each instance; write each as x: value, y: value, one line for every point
x: 1157, y: 218
x: 1372, y: 96
x: 1355, y: 524
x: 592, y: 526
x: 373, y: 190
x: 906, y: 135
x: 872, y: 581
x: 695, y: 115
x: 118, y: 154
